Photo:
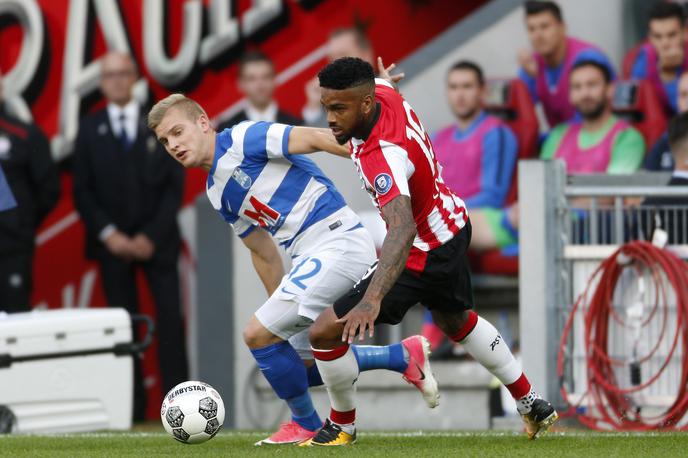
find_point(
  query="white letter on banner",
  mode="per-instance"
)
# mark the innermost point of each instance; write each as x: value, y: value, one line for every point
x: 28, y: 14
x: 224, y: 31
x: 79, y: 80
x: 260, y: 13
x: 166, y: 71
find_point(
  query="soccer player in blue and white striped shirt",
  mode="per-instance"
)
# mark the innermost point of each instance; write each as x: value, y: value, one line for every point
x: 260, y: 186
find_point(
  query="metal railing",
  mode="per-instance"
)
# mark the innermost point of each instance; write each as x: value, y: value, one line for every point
x: 568, y: 227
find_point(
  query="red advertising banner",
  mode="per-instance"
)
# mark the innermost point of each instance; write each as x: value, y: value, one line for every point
x: 49, y: 57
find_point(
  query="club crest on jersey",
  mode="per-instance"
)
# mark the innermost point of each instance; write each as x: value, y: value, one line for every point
x: 383, y: 183
x: 242, y: 178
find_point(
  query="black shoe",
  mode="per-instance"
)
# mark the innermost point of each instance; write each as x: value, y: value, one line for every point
x: 541, y: 416
x: 330, y: 434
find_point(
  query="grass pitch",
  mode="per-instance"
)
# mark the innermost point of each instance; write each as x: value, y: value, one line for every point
x: 406, y: 444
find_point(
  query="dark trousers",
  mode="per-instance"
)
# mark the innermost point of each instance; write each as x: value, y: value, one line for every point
x: 119, y: 283
x: 15, y: 282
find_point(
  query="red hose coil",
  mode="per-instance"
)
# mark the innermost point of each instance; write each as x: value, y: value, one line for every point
x: 606, y: 398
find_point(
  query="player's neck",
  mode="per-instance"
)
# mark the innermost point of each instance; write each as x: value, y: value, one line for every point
x: 593, y: 125
x: 369, y: 123
x: 467, y: 121
x: 207, y: 163
x: 556, y: 58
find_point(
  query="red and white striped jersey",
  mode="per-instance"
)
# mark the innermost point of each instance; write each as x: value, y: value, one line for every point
x: 397, y: 159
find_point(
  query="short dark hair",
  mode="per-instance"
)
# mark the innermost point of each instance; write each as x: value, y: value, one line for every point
x: 667, y: 10
x: 534, y: 7
x: 593, y: 63
x: 250, y: 57
x: 359, y: 36
x: 345, y: 73
x: 470, y: 66
x: 678, y: 132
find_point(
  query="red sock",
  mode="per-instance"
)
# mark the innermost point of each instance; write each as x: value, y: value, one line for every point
x: 343, y: 418
x: 520, y: 388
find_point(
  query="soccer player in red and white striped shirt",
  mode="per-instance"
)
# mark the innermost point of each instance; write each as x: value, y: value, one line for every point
x: 423, y: 256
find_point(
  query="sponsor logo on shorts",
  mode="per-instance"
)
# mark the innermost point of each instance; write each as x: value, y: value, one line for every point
x: 383, y: 183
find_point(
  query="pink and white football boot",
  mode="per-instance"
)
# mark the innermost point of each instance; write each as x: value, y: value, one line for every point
x: 288, y: 433
x: 418, y: 372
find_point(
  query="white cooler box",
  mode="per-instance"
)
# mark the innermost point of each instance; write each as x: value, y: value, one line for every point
x: 66, y: 370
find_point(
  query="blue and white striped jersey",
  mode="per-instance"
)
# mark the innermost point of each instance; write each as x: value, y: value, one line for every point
x: 255, y: 182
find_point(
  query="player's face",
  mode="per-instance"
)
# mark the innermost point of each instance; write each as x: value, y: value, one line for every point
x: 257, y: 83
x: 683, y: 93
x: 464, y: 93
x: 589, y: 92
x: 117, y: 78
x: 667, y: 37
x: 347, y: 111
x: 186, y: 140
x: 545, y: 32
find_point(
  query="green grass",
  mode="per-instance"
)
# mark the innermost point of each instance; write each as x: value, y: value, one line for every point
x: 411, y: 444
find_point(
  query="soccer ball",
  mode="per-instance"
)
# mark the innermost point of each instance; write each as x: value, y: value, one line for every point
x: 192, y: 412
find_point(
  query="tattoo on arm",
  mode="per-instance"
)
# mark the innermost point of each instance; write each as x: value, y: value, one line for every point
x: 401, y: 230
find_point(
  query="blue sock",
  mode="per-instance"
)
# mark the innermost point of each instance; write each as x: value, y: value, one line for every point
x: 371, y: 357
x: 314, y: 378
x: 284, y: 370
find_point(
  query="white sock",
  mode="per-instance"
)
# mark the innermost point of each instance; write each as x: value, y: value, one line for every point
x: 525, y: 404
x: 485, y: 344
x: 339, y: 375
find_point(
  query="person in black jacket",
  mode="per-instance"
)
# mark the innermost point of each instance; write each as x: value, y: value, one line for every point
x: 256, y: 82
x: 128, y: 192
x: 671, y: 213
x: 659, y: 158
x: 34, y: 182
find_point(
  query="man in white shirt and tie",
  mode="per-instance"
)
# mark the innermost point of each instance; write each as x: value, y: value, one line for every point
x: 256, y: 81
x: 128, y: 191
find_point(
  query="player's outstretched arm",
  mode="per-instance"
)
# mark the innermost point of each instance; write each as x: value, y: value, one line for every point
x: 401, y: 231
x: 304, y: 140
x: 266, y: 258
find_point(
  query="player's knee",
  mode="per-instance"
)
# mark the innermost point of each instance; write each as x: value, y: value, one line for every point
x: 257, y: 336
x: 324, y: 333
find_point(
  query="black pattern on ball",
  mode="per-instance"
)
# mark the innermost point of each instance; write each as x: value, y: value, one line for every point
x: 212, y: 426
x: 174, y: 417
x: 180, y: 434
x: 208, y: 408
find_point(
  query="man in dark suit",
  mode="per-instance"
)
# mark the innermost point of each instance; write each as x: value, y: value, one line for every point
x: 256, y: 81
x: 671, y: 213
x: 33, y: 184
x: 128, y: 192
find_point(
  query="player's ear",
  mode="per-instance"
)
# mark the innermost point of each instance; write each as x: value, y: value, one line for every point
x: 368, y: 103
x: 203, y: 122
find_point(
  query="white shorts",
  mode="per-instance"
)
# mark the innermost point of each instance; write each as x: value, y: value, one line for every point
x: 317, y: 279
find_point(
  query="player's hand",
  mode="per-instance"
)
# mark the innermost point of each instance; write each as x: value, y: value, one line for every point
x: 385, y: 72
x: 527, y: 61
x: 119, y: 245
x: 143, y: 247
x: 312, y: 90
x: 358, y: 319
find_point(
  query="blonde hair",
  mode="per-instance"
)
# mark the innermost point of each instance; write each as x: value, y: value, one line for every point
x: 188, y: 106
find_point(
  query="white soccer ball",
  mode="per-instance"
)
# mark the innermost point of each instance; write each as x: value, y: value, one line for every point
x: 192, y: 412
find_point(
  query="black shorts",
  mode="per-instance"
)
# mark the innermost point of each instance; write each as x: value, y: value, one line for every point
x: 444, y: 284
